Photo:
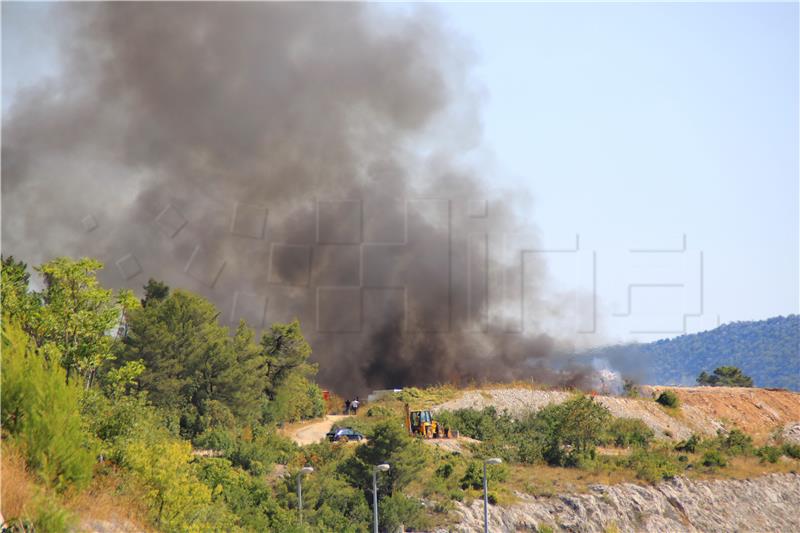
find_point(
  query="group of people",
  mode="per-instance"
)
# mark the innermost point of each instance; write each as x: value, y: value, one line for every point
x: 351, y: 406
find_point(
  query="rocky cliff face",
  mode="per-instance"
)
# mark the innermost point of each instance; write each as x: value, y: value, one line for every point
x: 764, y: 504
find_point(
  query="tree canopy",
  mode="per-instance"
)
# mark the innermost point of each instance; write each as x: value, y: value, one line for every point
x: 725, y: 376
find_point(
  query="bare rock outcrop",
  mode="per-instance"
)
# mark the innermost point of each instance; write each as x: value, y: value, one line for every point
x: 791, y: 433
x: 763, y: 504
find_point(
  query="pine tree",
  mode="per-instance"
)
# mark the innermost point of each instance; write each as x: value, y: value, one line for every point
x: 41, y: 412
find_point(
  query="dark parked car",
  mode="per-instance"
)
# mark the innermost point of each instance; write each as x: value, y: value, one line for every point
x: 344, y: 435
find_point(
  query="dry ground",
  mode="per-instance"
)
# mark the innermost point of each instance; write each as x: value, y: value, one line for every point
x: 758, y: 412
x: 311, y: 431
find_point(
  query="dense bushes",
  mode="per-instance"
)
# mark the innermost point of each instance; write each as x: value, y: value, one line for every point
x: 482, y: 425
x: 146, y: 377
x: 295, y: 399
x: 769, y: 454
x: 178, y: 500
x: 473, y: 476
x: 625, y: 432
x: 653, y: 465
x: 561, y: 434
x: 791, y: 450
x: 570, y: 430
x: 735, y: 442
x: 713, y: 458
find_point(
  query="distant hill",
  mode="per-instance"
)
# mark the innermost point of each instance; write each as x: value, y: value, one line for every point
x: 766, y: 350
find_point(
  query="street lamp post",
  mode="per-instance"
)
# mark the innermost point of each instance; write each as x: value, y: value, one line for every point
x: 492, y: 461
x: 383, y: 468
x: 303, y: 471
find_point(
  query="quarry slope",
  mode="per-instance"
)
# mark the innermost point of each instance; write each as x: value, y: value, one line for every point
x: 763, y: 504
x: 704, y: 410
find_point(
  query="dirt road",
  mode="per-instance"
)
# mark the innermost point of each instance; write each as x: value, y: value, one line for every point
x: 314, y: 431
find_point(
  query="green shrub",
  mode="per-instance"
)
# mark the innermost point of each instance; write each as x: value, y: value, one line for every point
x: 42, y: 414
x: 769, y: 454
x: 668, y: 399
x: 570, y: 430
x: 176, y: 495
x: 398, y: 509
x: 481, y: 425
x: 624, y: 432
x: 295, y: 399
x: 473, y: 476
x: 115, y: 423
x: 713, y: 459
x: 265, y: 449
x: 689, y: 445
x: 652, y: 465
x: 380, y: 411
x: 444, y: 470
x: 216, y: 439
x: 791, y: 450
x: 735, y: 442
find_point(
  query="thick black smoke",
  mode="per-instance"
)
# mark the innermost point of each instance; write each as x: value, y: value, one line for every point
x: 285, y: 160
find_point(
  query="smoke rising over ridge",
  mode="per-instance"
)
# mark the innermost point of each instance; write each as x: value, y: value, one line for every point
x: 284, y: 161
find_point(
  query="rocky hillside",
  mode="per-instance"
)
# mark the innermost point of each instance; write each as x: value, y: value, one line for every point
x: 704, y: 410
x: 764, y: 504
x: 757, y: 412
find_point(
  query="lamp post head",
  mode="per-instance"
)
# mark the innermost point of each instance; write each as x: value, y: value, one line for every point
x: 493, y: 461
x: 382, y: 467
x: 306, y: 470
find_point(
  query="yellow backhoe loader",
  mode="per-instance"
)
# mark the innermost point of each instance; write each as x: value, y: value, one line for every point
x: 422, y: 424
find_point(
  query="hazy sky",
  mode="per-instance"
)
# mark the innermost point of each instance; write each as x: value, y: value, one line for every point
x: 632, y: 126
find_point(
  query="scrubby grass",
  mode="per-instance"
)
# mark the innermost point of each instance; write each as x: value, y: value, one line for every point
x: 427, y: 397
x: 518, y: 384
x: 111, y: 497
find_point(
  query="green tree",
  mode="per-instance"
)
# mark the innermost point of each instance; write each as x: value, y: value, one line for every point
x: 286, y: 351
x: 243, y: 383
x: 571, y: 430
x: 41, y: 412
x: 725, y: 376
x: 76, y: 316
x: 179, y: 500
x: 389, y: 443
x: 18, y: 302
x: 192, y: 363
x: 668, y: 399
x: 154, y: 291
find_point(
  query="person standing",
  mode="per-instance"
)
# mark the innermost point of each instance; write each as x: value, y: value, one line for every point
x: 347, y: 407
x: 354, y: 404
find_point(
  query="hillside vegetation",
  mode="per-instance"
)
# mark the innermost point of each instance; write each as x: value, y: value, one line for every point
x: 766, y: 350
x: 122, y: 413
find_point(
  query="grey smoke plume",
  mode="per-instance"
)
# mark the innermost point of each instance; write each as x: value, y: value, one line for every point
x: 285, y: 161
